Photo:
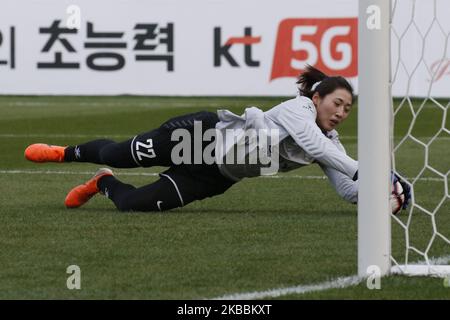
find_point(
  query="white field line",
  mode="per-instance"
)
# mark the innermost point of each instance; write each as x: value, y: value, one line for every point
x: 125, y: 136
x: 145, y: 104
x: 111, y: 103
x: 59, y: 172
x: 437, y: 261
x: 154, y: 174
x: 62, y: 135
x: 433, y: 261
x: 339, y: 283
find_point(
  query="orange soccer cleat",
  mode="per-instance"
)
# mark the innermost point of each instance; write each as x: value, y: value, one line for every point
x: 41, y: 152
x: 82, y: 193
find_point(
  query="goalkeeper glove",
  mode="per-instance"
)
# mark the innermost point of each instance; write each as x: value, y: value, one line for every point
x: 395, y: 178
x: 406, y: 189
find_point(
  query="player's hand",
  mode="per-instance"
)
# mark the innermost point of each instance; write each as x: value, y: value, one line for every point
x: 406, y: 189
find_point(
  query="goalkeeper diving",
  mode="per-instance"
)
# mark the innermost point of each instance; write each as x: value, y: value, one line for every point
x: 298, y: 132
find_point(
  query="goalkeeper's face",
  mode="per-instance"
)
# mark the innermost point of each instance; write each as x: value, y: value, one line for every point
x: 332, y: 109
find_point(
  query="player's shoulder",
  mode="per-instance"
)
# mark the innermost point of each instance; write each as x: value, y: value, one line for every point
x: 306, y: 106
x: 300, y: 105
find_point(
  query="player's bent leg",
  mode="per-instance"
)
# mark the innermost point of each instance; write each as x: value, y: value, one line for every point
x: 161, y: 195
x: 82, y: 193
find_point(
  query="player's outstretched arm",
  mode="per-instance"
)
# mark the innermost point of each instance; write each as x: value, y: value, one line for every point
x: 344, y: 186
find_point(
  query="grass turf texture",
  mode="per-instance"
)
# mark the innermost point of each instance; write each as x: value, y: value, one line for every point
x: 263, y: 233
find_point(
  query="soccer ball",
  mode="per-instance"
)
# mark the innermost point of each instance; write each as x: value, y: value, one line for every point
x: 397, y: 197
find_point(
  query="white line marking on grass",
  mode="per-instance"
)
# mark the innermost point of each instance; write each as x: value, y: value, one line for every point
x: 444, y: 260
x: 420, y: 138
x: 295, y: 177
x: 65, y: 135
x: 131, y: 101
x: 154, y: 174
x: 110, y: 103
x: 339, y: 283
x: 58, y: 135
x: 59, y: 172
x: 151, y: 174
x: 325, y: 178
x: 437, y: 261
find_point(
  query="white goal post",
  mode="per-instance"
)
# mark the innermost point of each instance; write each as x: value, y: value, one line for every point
x: 376, y: 147
x: 374, y: 229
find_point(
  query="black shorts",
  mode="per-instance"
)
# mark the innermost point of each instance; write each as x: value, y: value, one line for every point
x: 191, y: 181
x: 196, y: 182
x: 154, y: 148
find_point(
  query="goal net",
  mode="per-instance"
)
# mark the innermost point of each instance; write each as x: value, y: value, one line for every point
x: 420, y: 136
x: 416, y: 240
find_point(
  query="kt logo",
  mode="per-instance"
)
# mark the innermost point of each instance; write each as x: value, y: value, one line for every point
x: 223, y: 50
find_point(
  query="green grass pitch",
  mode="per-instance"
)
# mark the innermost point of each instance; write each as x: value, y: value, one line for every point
x: 264, y: 233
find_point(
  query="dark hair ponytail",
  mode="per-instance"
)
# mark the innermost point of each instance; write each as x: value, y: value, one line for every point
x: 327, y: 84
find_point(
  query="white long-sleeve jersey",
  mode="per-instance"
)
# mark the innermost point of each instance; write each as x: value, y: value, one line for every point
x: 300, y: 142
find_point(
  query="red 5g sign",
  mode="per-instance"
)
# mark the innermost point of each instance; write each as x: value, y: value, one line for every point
x: 329, y: 44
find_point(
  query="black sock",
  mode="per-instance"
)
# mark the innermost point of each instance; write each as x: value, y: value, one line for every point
x: 86, y: 152
x: 114, y: 189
